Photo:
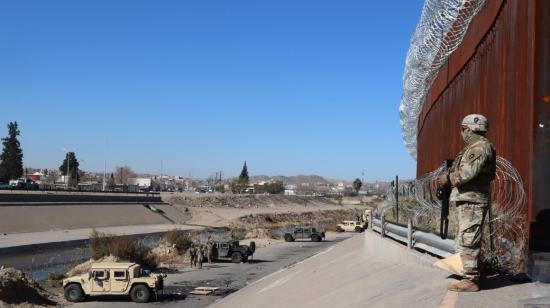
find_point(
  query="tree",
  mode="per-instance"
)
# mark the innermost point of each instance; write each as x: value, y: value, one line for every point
x: 122, y: 173
x: 49, y: 181
x: 357, y: 185
x: 69, y: 168
x: 243, y: 178
x: 110, y: 185
x: 276, y: 187
x: 11, y: 165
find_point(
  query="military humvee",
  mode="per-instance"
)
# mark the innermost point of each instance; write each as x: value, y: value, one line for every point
x: 232, y: 250
x: 305, y: 233
x: 113, y: 279
x: 351, y: 226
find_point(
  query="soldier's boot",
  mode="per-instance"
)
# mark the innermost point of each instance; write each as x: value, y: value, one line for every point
x: 464, y: 285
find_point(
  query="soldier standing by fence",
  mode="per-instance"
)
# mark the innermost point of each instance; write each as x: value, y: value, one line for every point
x: 470, y: 177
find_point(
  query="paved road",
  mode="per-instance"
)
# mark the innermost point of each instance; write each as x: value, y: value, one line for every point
x: 350, y: 275
x: 228, y: 276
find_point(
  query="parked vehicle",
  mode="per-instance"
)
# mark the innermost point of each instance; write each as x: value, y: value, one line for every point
x: 232, y: 250
x: 113, y: 279
x: 351, y: 226
x: 305, y: 233
x: 23, y: 183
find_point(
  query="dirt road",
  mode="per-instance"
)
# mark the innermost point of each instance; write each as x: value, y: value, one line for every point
x: 227, y: 276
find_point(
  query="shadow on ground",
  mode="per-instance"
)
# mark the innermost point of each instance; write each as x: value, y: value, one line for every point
x: 170, y: 293
x: 503, y: 280
x: 499, y: 280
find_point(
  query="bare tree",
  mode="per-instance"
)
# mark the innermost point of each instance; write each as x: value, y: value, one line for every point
x: 123, y: 173
x: 50, y: 179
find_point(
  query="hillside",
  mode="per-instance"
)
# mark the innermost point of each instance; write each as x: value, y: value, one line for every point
x: 296, y: 179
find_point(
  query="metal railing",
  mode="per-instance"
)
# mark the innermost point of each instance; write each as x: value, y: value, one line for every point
x: 412, y: 238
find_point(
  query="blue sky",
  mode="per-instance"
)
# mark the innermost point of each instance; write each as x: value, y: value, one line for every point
x: 293, y: 87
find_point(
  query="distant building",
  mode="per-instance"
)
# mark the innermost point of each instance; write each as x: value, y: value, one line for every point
x: 90, y: 186
x: 290, y: 192
x: 291, y: 186
x: 37, y: 176
x: 139, y: 184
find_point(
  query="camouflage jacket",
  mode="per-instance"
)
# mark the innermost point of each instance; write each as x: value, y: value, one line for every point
x: 472, y: 172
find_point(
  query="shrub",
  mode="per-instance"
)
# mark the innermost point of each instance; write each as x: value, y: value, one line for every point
x: 271, y: 188
x: 238, y: 234
x: 56, y: 276
x: 99, y: 244
x: 273, y: 234
x: 180, y: 239
x: 123, y: 247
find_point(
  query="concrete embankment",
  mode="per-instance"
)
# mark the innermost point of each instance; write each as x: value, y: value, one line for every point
x: 345, y: 275
x: 34, y: 241
x: 38, y: 197
x: 369, y: 271
x: 34, y: 211
x: 29, y: 218
x: 39, y: 221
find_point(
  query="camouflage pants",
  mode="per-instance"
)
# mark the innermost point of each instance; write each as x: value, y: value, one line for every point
x: 471, y: 218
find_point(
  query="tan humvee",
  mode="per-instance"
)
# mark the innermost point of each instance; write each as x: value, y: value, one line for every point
x: 351, y: 226
x: 113, y: 279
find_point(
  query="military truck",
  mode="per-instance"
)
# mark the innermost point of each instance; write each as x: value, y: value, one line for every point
x: 113, y: 279
x: 305, y: 233
x: 232, y: 250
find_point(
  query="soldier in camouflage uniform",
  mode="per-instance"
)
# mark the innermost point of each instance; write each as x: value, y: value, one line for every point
x: 210, y: 249
x: 470, y: 177
x: 200, y: 255
x: 193, y: 256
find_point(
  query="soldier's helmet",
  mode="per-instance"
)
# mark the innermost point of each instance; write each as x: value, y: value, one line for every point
x: 476, y: 122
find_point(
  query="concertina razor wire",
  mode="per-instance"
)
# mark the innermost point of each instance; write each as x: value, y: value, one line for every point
x: 506, y: 231
x: 442, y: 26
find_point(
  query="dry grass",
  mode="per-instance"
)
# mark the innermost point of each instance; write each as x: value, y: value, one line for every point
x: 426, y: 223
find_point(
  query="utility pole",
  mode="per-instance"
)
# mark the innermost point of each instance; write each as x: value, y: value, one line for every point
x: 68, y: 170
x: 104, y: 171
x: 397, y: 198
x: 105, y: 163
x: 161, y: 171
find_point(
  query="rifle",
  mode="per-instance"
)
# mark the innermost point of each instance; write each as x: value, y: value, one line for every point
x: 443, y: 194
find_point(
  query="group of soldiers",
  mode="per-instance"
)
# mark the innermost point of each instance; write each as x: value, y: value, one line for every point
x: 199, y: 253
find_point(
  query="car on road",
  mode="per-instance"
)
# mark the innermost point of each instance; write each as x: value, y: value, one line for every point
x: 351, y: 226
x: 113, y: 279
x: 232, y: 250
x: 305, y: 233
x: 4, y: 185
x: 23, y: 183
